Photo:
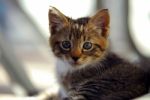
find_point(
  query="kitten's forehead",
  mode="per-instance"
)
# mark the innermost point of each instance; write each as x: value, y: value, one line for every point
x: 78, y: 26
x: 80, y: 23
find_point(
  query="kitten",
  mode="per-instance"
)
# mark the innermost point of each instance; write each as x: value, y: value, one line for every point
x: 86, y: 70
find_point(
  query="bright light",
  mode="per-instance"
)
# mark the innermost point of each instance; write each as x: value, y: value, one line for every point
x: 38, y: 9
x: 140, y: 24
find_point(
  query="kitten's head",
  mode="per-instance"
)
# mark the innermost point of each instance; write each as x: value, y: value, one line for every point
x: 79, y: 42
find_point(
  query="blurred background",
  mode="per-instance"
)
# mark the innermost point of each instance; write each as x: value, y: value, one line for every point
x: 26, y: 62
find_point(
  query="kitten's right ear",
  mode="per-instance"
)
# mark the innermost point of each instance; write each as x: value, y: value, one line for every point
x: 100, y: 22
x: 57, y: 20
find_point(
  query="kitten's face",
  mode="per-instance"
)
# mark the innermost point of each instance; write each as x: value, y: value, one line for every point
x: 79, y: 42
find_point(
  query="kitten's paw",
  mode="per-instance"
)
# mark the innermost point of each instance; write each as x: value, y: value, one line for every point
x: 53, y: 97
x: 75, y: 97
x: 49, y: 94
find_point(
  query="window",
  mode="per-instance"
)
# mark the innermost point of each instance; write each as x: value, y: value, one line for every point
x: 139, y: 22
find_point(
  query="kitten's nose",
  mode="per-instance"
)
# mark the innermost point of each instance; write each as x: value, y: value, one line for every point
x: 75, y: 58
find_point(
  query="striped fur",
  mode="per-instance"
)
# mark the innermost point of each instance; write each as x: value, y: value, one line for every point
x: 78, y: 32
x: 90, y: 72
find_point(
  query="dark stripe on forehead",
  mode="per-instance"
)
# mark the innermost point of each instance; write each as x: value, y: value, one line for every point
x: 70, y: 36
x: 84, y: 38
x: 82, y: 21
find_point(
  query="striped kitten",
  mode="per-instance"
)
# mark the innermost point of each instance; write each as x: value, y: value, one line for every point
x: 86, y: 70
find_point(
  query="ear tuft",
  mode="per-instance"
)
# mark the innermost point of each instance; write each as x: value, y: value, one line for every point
x: 57, y: 20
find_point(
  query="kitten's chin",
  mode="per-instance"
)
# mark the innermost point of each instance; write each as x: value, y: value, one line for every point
x: 75, y: 64
x: 78, y: 65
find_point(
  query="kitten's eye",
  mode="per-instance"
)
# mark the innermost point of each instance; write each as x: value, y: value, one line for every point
x: 87, y: 45
x: 66, y: 45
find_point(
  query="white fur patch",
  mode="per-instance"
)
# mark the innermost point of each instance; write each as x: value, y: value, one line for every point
x: 81, y: 28
x: 79, y: 97
x: 62, y: 68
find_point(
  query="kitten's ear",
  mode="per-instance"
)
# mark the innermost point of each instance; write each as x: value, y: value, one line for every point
x: 57, y: 20
x: 100, y: 21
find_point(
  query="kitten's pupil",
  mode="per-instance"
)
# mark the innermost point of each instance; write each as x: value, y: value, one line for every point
x: 66, y: 45
x: 87, y: 45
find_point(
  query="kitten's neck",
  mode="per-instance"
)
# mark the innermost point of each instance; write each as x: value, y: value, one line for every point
x: 62, y: 67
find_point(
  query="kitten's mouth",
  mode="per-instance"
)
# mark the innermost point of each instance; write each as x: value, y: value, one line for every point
x: 75, y: 63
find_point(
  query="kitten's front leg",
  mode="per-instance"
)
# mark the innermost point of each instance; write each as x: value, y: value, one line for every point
x: 49, y: 94
x: 79, y: 97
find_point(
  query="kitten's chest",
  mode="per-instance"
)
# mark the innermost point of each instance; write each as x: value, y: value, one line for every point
x: 63, y: 71
x: 67, y: 75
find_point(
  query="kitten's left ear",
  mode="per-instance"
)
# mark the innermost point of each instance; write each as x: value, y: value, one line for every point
x: 57, y: 20
x: 100, y: 21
